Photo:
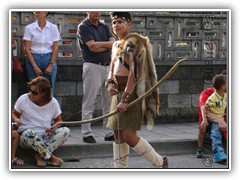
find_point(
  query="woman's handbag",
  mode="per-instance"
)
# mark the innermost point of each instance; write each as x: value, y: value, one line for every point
x: 17, y: 66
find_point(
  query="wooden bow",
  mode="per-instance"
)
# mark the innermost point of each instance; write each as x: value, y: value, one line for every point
x: 150, y: 91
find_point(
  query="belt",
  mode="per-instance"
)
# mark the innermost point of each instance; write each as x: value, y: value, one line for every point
x: 101, y: 63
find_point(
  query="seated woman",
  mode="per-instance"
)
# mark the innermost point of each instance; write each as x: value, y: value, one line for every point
x: 35, y: 111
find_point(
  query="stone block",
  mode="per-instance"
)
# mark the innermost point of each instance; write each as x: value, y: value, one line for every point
x: 72, y: 107
x: 139, y: 22
x: 179, y: 101
x: 195, y: 98
x: 156, y: 34
x: 163, y: 101
x: 192, y: 23
x: 169, y: 87
x: 183, y: 72
x: 14, y: 90
x: 197, y: 72
x: 65, y: 88
x: 192, y: 34
x: 168, y: 55
x: 158, y: 49
x: 69, y: 73
x: 189, y: 114
x: 79, y: 88
x: 59, y: 99
x: 138, y: 30
x: 72, y: 103
x: 168, y: 115
x: 27, y: 18
x: 190, y: 86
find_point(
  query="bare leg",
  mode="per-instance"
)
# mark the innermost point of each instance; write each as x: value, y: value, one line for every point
x: 201, y: 134
x: 15, y: 143
x: 200, y: 138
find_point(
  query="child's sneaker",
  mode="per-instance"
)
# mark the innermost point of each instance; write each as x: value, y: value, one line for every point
x: 219, y: 156
x: 199, y: 153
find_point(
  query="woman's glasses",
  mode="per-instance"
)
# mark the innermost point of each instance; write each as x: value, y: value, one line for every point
x: 35, y: 93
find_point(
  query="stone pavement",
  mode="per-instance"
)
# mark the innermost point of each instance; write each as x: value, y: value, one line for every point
x: 167, y: 139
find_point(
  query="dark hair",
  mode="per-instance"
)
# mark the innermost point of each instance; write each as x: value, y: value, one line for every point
x: 218, y: 81
x: 224, y: 72
x: 123, y: 15
x: 43, y: 85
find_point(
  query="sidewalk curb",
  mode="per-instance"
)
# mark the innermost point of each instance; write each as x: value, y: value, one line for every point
x: 96, y: 150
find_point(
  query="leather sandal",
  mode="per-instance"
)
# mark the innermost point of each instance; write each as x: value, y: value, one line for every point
x: 17, y: 161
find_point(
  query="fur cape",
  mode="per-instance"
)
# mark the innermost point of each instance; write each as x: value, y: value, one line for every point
x: 144, y: 71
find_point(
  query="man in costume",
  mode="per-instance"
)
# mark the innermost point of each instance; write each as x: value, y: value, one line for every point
x: 132, y: 73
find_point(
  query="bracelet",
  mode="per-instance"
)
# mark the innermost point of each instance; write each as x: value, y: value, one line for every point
x: 125, y: 97
x: 109, y: 81
x: 51, y: 63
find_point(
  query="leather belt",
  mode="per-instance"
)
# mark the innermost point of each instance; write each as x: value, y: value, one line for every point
x: 101, y: 63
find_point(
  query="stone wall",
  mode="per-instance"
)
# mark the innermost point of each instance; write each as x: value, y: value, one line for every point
x: 202, y: 37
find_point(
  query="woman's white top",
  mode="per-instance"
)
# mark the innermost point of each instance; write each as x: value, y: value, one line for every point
x: 36, y: 117
x: 41, y: 40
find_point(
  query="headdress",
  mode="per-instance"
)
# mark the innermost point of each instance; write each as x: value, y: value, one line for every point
x: 123, y: 15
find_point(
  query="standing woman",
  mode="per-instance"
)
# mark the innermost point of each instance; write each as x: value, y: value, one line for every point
x: 41, y: 48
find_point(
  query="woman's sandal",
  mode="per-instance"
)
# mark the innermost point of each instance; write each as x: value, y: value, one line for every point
x: 16, y: 161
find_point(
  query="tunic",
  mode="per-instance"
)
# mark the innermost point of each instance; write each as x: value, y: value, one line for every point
x: 130, y: 119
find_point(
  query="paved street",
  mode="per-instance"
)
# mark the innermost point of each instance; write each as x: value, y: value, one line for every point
x: 177, y: 141
x: 187, y: 161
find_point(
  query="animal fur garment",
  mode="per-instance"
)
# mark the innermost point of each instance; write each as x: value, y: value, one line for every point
x: 144, y: 71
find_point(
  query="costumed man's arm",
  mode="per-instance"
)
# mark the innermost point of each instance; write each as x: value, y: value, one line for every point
x: 110, y: 84
x: 122, y: 106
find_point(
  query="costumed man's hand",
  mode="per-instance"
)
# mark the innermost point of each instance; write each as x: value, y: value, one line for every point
x: 112, y: 90
x: 122, y: 107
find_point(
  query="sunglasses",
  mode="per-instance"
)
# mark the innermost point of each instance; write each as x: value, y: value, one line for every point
x: 35, y: 93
